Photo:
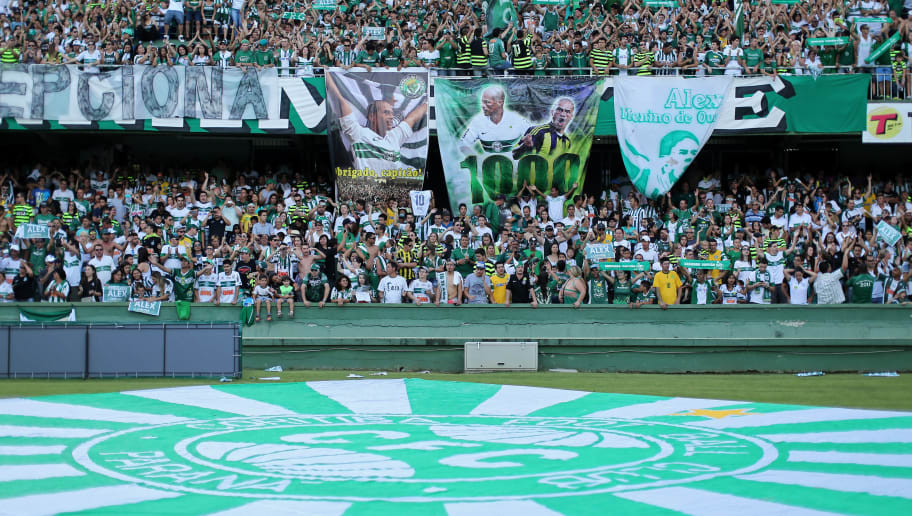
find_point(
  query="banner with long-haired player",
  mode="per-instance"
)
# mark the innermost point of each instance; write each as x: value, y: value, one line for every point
x: 497, y: 135
x: 378, y: 133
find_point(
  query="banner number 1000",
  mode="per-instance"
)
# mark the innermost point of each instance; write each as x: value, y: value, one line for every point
x: 500, y: 174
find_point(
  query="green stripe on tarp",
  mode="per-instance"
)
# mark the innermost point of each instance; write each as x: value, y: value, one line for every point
x: 45, y: 315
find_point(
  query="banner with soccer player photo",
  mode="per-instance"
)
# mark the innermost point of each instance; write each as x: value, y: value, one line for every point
x: 378, y: 133
x: 497, y: 135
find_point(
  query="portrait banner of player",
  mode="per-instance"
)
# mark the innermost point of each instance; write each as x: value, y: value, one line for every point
x: 497, y: 135
x: 378, y: 132
x: 662, y: 123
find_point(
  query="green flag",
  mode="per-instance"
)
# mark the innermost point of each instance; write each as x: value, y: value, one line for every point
x: 500, y: 13
x: 886, y: 45
x: 739, y: 19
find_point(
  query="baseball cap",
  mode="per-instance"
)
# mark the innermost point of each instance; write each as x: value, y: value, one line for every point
x: 645, y: 239
x: 264, y: 43
x: 245, y: 250
x: 14, y: 247
x: 50, y: 258
x: 245, y: 42
x: 184, y: 257
x: 314, y: 267
x: 480, y: 265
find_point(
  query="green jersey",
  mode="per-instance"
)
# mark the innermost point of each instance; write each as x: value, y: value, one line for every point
x: 243, y: 57
x: 264, y: 57
x: 622, y: 292
x: 314, y: 287
x: 447, y: 55
x: 558, y: 59
x: 715, y: 60
x: 753, y: 57
x: 465, y: 268
x: 183, y: 284
x: 862, y: 288
x: 580, y: 60
x: 598, y: 291
x: 496, y: 52
x: 369, y: 59
x: 391, y: 59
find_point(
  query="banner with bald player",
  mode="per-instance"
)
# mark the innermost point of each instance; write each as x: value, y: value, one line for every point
x: 378, y: 132
x: 498, y: 135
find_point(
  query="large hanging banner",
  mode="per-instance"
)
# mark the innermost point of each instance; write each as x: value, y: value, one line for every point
x: 662, y: 123
x: 73, y: 93
x: 378, y: 133
x: 497, y: 134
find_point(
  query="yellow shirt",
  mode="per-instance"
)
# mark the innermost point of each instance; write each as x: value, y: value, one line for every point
x: 499, y: 288
x: 716, y: 257
x: 667, y: 284
x: 246, y: 223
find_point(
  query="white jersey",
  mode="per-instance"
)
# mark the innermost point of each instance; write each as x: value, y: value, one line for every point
x: 103, y: 268
x: 205, y: 287
x: 228, y: 285
x: 496, y: 138
x: 172, y: 254
x: 421, y: 290
x: 72, y: 267
x: 372, y: 151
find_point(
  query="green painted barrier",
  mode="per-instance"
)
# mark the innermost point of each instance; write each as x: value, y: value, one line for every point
x: 591, y: 338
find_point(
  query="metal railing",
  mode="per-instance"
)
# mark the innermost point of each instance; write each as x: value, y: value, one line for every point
x: 886, y: 84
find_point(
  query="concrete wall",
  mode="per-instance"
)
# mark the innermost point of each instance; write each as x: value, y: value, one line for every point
x: 683, y: 338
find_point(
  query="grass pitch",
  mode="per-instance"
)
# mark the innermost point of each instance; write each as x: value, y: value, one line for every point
x: 841, y: 390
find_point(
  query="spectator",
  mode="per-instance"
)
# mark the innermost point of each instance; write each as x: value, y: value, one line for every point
x: 262, y: 293
x: 392, y: 288
x: 90, y: 287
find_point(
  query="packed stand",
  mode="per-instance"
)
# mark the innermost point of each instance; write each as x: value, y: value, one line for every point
x: 694, y: 37
x: 276, y: 238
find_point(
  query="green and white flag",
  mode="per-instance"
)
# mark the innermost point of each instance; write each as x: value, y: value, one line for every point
x: 739, y: 18
x: 624, y: 266
x: 324, y: 5
x: 55, y: 315
x: 33, y: 231
x: 596, y: 252
x: 822, y: 42
x: 662, y: 123
x: 500, y: 13
x: 706, y: 264
x: 442, y: 287
x: 886, y: 45
x: 374, y: 33
x: 496, y: 134
x: 115, y: 293
x: 888, y: 233
x: 145, y: 307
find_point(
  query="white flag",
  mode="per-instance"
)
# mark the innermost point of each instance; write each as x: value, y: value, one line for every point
x: 662, y: 123
x: 421, y: 201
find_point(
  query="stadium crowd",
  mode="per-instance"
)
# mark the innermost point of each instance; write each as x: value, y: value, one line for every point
x: 631, y: 36
x: 275, y: 237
